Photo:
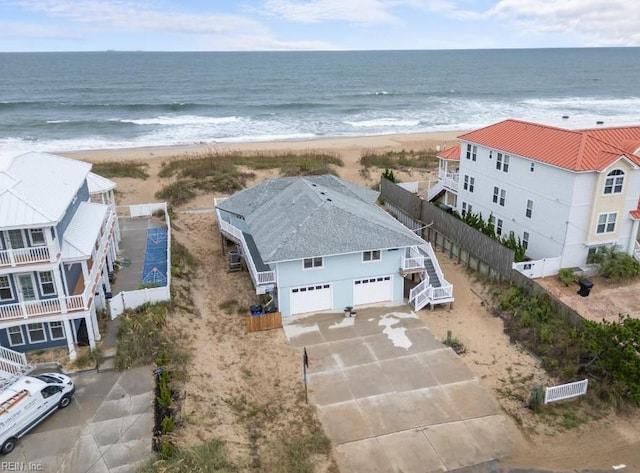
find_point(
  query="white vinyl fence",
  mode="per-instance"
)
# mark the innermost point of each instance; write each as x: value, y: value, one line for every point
x: 565, y: 391
x: 132, y: 299
x: 539, y: 268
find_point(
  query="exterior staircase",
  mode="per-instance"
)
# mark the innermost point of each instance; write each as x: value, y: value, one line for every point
x: 433, y: 287
x: 13, y: 365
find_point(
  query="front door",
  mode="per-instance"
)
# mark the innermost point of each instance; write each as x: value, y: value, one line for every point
x: 26, y: 287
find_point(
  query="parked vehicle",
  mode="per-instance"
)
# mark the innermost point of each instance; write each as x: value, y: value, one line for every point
x: 28, y: 401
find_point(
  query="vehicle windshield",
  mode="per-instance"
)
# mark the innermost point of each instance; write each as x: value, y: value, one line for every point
x: 48, y: 379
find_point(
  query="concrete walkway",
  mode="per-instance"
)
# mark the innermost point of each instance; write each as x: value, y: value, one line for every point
x: 106, y: 428
x: 394, y: 399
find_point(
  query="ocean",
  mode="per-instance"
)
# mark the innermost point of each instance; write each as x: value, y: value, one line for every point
x: 93, y: 100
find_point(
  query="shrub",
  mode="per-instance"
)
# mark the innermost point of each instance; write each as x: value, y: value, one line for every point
x: 567, y: 276
x: 618, y: 265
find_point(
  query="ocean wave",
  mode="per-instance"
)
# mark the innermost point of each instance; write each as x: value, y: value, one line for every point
x: 383, y: 122
x: 181, y: 120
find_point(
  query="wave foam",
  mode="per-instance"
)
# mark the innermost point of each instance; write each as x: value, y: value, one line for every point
x: 181, y: 120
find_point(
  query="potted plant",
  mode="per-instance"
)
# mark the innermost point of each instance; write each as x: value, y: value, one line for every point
x: 348, y: 311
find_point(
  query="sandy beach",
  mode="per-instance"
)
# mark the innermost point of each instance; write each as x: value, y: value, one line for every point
x: 238, y: 362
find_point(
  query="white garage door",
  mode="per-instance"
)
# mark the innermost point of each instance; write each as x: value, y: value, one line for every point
x: 371, y: 290
x: 310, y: 298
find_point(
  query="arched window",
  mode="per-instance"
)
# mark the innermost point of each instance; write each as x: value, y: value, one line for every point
x: 614, y: 182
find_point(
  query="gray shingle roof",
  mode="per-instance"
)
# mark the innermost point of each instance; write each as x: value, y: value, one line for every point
x: 294, y: 218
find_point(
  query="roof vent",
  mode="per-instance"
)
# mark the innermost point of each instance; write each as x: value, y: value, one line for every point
x: 599, y: 122
x: 329, y: 200
x: 313, y: 185
x: 322, y: 193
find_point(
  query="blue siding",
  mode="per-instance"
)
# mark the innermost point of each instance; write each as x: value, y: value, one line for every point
x: 72, y: 275
x: 234, y: 220
x: 83, y: 196
x: 48, y: 343
x: 340, y: 271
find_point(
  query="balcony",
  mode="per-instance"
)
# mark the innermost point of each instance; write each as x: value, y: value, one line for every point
x: 80, y: 301
x: 262, y: 276
x: 412, y: 261
x: 24, y: 256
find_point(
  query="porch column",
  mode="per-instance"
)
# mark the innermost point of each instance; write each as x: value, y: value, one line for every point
x: 105, y: 279
x: 85, y: 271
x: 68, y: 330
x: 633, y: 237
x: 57, y: 278
x: 95, y: 326
x: 48, y: 241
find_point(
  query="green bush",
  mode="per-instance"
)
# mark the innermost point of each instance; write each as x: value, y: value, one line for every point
x: 618, y: 266
x: 567, y: 276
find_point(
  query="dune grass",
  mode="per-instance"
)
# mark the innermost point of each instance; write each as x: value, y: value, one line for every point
x: 133, y: 169
x: 424, y: 159
x: 222, y: 172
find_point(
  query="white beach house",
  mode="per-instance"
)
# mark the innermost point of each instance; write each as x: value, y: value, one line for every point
x: 564, y: 193
x: 58, y: 241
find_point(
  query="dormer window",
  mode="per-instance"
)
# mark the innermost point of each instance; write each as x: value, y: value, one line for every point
x: 614, y: 182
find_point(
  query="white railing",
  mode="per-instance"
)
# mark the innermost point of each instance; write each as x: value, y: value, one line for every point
x: 13, y: 364
x: 443, y: 292
x: 62, y: 305
x: 412, y: 260
x: 421, y: 294
x: 435, y: 190
x: 258, y: 277
x: 636, y: 250
x: 18, y: 256
x: 427, y: 248
x: 565, y: 391
x: 539, y: 268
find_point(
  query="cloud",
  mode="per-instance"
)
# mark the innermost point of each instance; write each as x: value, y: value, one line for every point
x: 316, y: 11
x: 132, y: 16
x: 599, y: 22
x: 20, y: 30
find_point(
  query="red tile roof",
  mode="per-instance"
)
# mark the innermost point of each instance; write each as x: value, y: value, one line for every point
x: 635, y: 214
x: 450, y: 154
x: 576, y: 150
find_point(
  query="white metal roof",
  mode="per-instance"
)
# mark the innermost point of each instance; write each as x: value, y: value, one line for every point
x: 83, y: 231
x: 98, y: 184
x: 37, y: 188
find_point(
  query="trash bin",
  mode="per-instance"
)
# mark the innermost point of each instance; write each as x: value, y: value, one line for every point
x: 256, y: 310
x: 585, y: 287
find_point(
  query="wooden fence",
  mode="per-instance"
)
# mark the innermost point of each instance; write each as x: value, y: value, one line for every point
x: 565, y: 391
x: 257, y: 323
x: 462, y: 242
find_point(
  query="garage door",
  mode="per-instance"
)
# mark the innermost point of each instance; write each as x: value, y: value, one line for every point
x: 371, y: 290
x: 310, y: 298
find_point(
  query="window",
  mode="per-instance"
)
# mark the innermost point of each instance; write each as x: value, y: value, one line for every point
x: 371, y: 255
x: 36, y: 333
x: 529, y: 211
x: 614, y: 182
x: 50, y: 391
x: 505, y: 165
x: 499, y: 227
x: 464, y: 209
x: 496, y: 192
x: 525, y: 240
x: 37, y: 237
x: 502, y: 163
x: 469, y: 183
x: 16, y: 239
x: 6, y: 294
x: 472, y: 152
x: 490, y: 154
x: 499, y: 162
x: 503, y: 194
x: 606, y: 223
x: 310, y: 263
x: 47, y: 285
x: 532, y: 167
x: 15, y: 336
x: 56, y: 330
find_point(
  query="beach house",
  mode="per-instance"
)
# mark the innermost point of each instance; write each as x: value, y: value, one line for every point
x: 319, y: 243
x: 58, y: 242
x: 564, y: 193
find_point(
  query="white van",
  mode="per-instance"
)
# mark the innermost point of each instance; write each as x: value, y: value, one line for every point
x: 28, y: 401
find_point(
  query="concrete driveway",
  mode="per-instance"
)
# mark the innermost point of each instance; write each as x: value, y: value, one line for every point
x: 106, y: 428
x: 394, y: 399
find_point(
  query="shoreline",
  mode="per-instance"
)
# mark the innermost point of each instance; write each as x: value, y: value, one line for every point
x: 343, y: 144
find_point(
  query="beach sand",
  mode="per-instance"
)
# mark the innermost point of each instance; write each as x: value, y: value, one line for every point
x: 261, y: 368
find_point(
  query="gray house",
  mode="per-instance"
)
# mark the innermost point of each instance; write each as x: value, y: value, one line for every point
x: 320, y: 243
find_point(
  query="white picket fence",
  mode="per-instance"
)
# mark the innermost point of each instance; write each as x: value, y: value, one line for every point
x: 539, y: 268
x: 565, y: 391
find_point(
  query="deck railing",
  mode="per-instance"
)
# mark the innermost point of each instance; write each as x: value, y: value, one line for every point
x: 62, y: 305
x: 259, y: 277
x: 20, y: 256
x: 13, y: 364
x: 412, y: 260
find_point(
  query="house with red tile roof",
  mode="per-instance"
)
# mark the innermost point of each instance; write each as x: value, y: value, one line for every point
x: 564, y: 193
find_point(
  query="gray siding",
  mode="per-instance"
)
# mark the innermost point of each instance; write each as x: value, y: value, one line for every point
x: 83, y: 196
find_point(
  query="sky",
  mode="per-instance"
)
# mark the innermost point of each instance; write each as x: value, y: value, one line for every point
x: 290, y: 25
